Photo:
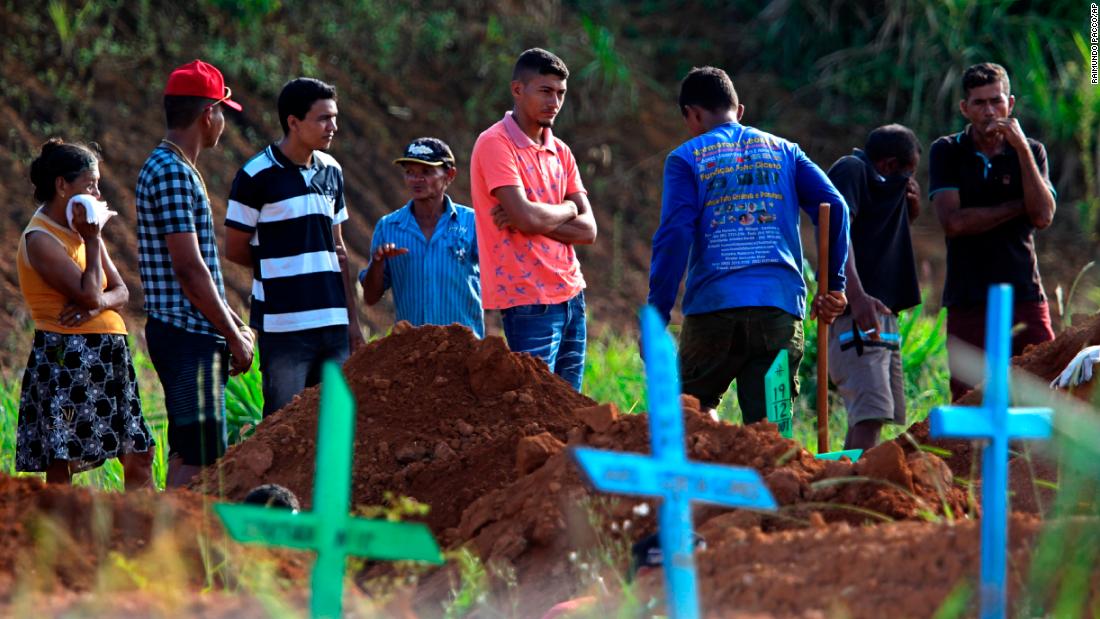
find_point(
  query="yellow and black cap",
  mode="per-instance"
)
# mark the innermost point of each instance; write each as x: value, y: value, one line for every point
x: 429, y: 151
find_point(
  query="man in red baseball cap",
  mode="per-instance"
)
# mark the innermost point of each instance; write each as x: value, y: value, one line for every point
x: 200, y: 79
x: 190, y: 329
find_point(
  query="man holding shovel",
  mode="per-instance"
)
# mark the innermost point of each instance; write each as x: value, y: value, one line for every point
x: 991, y: 190
x: 730, y: 217
x: 883, y: 198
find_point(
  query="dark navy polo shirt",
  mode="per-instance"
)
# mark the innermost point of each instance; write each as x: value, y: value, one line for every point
x: 1004, y: 253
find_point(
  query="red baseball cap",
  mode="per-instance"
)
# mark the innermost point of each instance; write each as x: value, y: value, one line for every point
x: 200, y: 79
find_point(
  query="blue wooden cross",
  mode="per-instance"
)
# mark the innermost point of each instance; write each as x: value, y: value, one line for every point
x: 996, y: 423
x: 668, y: 473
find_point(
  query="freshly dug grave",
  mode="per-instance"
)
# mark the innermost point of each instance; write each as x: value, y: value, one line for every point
x: 547, y: 523
x: 1044, y: 361
x: 60, y: 539
x: 479, y: 434
x: 438, y: 416
x: 441, y: 416
x: 904, y: 569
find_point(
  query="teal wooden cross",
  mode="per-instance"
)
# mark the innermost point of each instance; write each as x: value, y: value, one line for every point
x: 328, y: 529
x: 997, y: 424
x: 777, y: 402
x: 777, y: 394
x: 668, y: 473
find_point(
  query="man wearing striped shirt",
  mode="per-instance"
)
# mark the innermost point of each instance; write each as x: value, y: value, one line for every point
x: 426, y: 251
x: 284, y: 216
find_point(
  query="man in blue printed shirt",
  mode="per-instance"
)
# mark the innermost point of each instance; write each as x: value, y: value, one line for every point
x: 730, y: 216
x: 426, y: 251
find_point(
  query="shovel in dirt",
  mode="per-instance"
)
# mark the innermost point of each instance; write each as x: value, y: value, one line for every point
x: 822, y: 330
x: 823, y: 213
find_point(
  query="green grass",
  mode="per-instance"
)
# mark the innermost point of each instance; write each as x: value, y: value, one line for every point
x: 244, y: 409
x: 614, y: 373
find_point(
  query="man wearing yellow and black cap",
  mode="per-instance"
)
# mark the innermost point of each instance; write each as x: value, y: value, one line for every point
x: 426, y: 251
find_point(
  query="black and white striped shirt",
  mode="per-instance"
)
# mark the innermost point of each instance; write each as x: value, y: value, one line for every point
x: 290, y: 211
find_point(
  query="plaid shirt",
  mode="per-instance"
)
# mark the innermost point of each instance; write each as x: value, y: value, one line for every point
x: 170, y: 199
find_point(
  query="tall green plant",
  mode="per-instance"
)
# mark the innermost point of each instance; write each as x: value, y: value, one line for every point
x: 244, y: 402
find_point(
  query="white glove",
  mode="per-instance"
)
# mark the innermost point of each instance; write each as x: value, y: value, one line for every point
x: 1079, y: 371
x: 95, y: 210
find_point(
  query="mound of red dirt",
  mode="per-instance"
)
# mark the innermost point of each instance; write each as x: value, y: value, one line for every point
x: 534, y: 525
x: 455, y: 422
x: 479, y: 434
x: 1032, y: 463
x: 59, y: 538
x: 905, y: 569
x: 439, y: 414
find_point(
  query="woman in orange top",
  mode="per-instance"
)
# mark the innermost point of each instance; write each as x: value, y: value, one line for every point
x: 79, y: 403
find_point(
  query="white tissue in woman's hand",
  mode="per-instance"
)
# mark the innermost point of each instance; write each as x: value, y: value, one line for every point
x: 95, y: 211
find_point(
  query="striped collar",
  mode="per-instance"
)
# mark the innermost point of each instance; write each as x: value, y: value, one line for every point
x: 276, y: 154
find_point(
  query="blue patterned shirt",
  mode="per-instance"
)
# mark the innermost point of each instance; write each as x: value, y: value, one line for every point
x: 171, y: 198
x: 730, y: 216
x: 438, y: 282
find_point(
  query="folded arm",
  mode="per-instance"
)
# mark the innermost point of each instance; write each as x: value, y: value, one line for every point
x: 1038, y: 199
x: 581, y: 230
x: 958, y: 221
x: 83, y: 288
x: 532, y: 217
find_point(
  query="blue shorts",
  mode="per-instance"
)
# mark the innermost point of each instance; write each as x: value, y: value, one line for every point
x: 193, y: 369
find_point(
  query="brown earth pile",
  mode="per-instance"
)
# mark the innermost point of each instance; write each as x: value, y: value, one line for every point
x: 1032, y: 462
x: 479, y: 434
x: 58, y: 539
x: 904, y: 569
x: 439, y: 414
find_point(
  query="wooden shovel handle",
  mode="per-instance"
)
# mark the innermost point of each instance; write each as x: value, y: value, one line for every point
x: 822, y: 330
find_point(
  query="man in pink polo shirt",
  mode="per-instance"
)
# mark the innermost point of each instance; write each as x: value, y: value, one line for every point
x: 530, y: 209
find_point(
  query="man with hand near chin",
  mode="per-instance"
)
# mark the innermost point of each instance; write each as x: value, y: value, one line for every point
x: 283, y: 220
x: 991, y: 190
x: 531, y: 209
x: 864, y: 344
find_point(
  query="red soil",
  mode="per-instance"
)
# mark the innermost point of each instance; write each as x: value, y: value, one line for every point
x: 482, y: 435
x: 1033, y: 461
x: 59, y: 538
x: 483, y: 445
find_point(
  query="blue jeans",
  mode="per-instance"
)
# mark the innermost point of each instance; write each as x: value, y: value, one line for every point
x: 554, y: 333
x: 292, y: 361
